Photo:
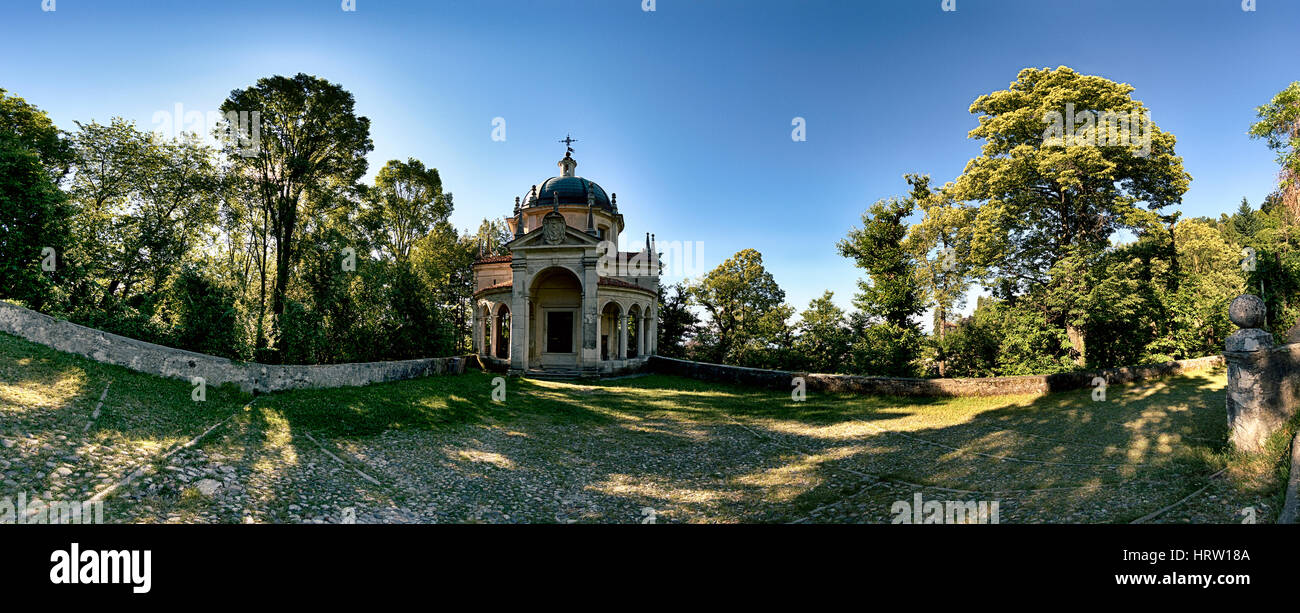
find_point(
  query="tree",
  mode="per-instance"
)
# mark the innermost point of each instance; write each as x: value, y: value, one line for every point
x: 309, y: 138
x: 823, y: 341
x: 26, y: 127
x: 886, y: 340
x: 745, y: 306
x: 890, y: 291
x: 1045, y: 199
x: 940, y: 245
x: 404, y: 205
x: 678, y: 324
x: 1279, y: 126
x: 142, y: 204
x: 33, y: 218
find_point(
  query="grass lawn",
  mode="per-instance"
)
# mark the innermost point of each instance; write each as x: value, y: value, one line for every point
x: 440, y: 450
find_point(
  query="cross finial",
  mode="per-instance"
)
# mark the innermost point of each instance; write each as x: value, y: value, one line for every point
x: 568, y: 144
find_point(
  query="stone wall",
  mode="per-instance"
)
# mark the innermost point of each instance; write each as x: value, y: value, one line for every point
x: 899, y: 386
x: 1263, y: 382
x: 180, y: 364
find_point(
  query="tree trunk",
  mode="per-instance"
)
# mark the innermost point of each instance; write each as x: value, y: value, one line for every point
x: 1077, y: 343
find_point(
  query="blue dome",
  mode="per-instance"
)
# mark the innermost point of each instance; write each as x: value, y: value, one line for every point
x: 572, y: 190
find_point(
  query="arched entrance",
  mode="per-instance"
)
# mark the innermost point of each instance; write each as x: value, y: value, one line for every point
x: 503, y: 332
x: 633, y: 330
x: 555, y: 323
x: 609, y: 340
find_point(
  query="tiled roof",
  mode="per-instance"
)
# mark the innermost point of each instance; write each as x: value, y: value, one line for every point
x: 493, y: 259
x: 504, y: 285
x: 616, y: 282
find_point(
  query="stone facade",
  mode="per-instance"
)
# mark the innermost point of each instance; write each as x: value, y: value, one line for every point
x: 180, y: 364
x: 1263, y: 386
x: 566, y: 300
x: 900, y: 386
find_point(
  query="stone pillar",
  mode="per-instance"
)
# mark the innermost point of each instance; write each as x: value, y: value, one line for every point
x: 589, y: 357
x: 640, y: 336
x: 493, y: 332
x: 1256, y: 402
x: 519, y: 322
x: 622, y: 336
x: 477, y: 330
x: 652, y: 338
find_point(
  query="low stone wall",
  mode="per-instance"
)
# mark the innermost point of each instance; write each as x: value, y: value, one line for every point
x: 1263, y: 379
x: 900, y: 386
x: 180, y: 364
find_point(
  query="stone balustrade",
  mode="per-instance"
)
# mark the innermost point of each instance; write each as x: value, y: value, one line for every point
x: 180, y: 364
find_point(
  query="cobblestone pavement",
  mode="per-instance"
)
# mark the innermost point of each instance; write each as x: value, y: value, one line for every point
x: 666, y: 451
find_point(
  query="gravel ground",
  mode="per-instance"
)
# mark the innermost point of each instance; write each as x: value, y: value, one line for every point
x: 655, y: 450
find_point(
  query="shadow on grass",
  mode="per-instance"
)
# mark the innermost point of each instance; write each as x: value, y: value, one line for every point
x: 605, y: 451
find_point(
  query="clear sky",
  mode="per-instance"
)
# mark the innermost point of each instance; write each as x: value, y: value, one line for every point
x: 684, y: 111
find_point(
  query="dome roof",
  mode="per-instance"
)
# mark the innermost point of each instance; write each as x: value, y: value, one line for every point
x: 572, y: 190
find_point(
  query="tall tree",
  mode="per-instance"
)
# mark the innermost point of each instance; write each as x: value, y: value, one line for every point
x: 940, y: 245
x: 34, y: 213
x: 678, y: 324
x: 142, y: 204
x: 308, y: 137
x: 890, y: 291
x: 823, y: 341
x: 745, y: 307
x: 405, y: 204
x: 1051, y: 195
x: 1279, y: 126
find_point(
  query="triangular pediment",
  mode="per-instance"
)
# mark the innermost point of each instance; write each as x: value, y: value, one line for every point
x: 572, y: 237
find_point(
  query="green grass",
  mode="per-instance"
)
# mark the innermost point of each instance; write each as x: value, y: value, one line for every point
x: 47, y: 400
x: 696, y: 451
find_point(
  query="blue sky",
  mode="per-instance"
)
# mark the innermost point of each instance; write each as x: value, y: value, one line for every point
x: 685, y: 111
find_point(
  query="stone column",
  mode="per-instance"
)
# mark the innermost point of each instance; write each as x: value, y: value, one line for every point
x: 622, y: 336
x: 640, y: 336
x: 1256, y: 406
x: 589, y: 357
x: 652, y: 338
x: 477, y: 330
x: 493, y: 332
x: 519, y: 322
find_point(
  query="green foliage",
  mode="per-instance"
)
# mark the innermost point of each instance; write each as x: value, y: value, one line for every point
x: 204, y: 316
x: 309, y: 154
x: 890, y: 292
x: 33, y: 216
x: 1279, y: 126
x: 405, y: 204
x: 882, y: 348
x: 1048, y: 207
x: 824, y: 339
x: 33, y: 212
x: 747, y: 314
x: 678, y: 324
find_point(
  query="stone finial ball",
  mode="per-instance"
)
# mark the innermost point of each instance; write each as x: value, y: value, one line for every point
x: 1247, y: 311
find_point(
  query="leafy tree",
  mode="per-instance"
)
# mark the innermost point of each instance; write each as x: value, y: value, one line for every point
x: 940, y: 246
x: 26, y: 127
x: 678, y: 324
x: 890, y: 292
x: 404, y: 205
x: 1279, y: 126
x: 310, y: 139
x: 746, y: 310
x: 823, y: 341
x: 33, y: 216
x: 1044, y: 201
x: 142, y: 205
x: 886, y: 339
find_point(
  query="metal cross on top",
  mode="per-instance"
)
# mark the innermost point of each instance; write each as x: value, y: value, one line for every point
x: 568, y: 143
